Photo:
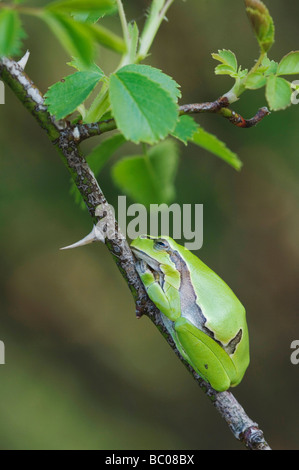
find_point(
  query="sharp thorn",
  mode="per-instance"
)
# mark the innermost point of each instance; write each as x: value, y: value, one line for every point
x: 96, y: 235
x: 23, y: 62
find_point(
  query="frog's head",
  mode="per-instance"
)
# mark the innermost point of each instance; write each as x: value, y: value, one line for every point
x: 156, y: 254
x: 152, y: 250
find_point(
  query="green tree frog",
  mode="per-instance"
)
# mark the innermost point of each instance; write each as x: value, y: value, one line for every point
x: 202, y: 314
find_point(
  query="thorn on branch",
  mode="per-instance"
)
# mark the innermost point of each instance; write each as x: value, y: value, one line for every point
x: 23, y: 62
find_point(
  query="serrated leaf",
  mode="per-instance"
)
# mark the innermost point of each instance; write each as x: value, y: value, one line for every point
x: 278, y: 93
x: 262, y: 23
x: 144, y: 103
x: 258, y: 79
x: 11, y: 33
x: 100, y: 7
x: 228, y: 58
x: 272, y: 69
x: 64, y: 97
x: 268, y: 66
x: 149, y: 179
x: 155, y: 75
x: 185, y: 129
x: 87, y: 17
x: 223, y: 69
x: 255, y: 81
x: 289, y: 64
x: 242, y: 73
x: 211, y: 143
x: 74, y: 37
x: 82, y: 67
x: 134, y: 37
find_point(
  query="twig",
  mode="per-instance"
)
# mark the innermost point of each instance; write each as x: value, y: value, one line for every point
x: 208, y: 107
x: 220, y: 107
x: 62, y: 136
x: 82, y: 132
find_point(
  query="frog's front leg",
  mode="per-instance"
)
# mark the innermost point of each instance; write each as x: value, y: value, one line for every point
x: 164, y: 296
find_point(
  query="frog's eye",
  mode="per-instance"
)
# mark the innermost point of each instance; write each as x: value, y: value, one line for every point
x: 161, y: 245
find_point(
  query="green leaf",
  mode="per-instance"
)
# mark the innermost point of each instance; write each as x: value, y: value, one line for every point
x: 74, y: 37
x: 155, y: 75
x: 223, y: 69
x: 258, y: 79
x: 87, y: 17
x: 268, y: 67
x: 255, y: 81
x: 97, y: 159
x: 185, y: 129
x: 289, y: 64
x: 241, y: 73
x: 272, y: 69
x: 134, y: 37
x: 149, y: 179
x: 82, y: 67
x: 11, y: 33
x: 261, y: 22
x: 144, y: 103
x: 98, y: 7
x: 211, y: 143
x: 227, y: 58
x: 278, y: 93
x: 64, y: 97
x: 229, y: 65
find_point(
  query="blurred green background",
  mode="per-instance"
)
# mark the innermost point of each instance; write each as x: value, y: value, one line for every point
x: 81, y: 372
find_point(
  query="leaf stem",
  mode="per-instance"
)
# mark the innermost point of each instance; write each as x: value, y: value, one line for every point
x: 99, y: 106
x: 124, y: 23
x: 239, y: 87
x: 157, y: 14
x: 258, y: 62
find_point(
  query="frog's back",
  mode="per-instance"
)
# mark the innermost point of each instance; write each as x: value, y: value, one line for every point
x: 219, y: 304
